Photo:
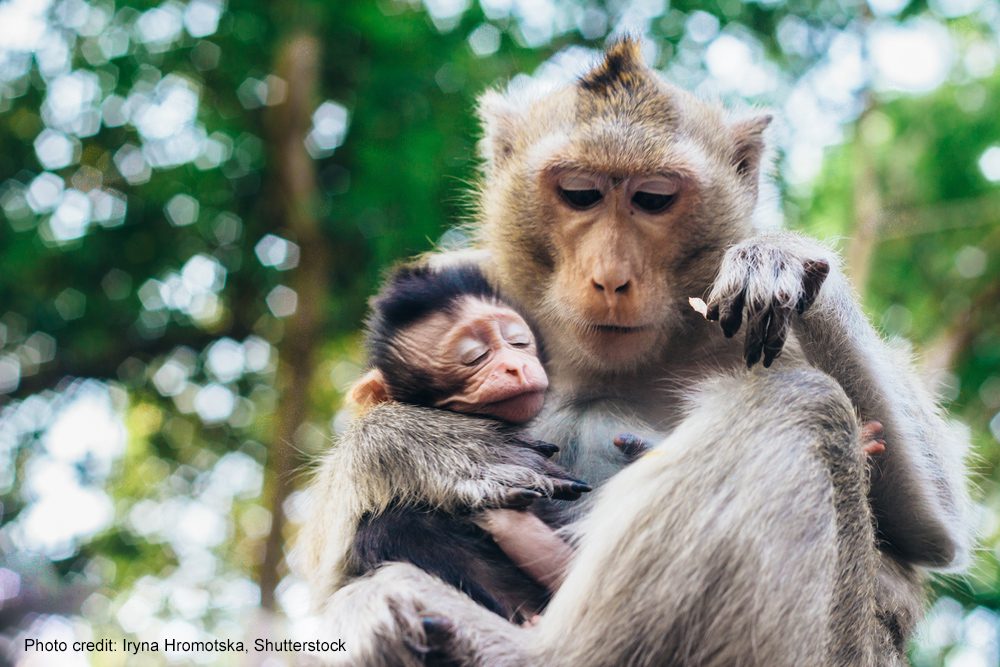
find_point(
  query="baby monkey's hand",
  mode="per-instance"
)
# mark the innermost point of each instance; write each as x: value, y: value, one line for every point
x: 559, y: 485
x: 631, y: 445
x: 872, y: 438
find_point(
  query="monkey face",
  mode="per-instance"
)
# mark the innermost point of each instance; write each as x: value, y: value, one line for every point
x: 614, y: 237
x: 486, y: 354
x: 607, y: 204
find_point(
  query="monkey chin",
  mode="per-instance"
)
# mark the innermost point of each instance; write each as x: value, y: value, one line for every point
x: 612, y: 348
x: 516, y: 409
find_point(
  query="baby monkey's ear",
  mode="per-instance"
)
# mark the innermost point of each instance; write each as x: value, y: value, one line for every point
x: 370, y: 390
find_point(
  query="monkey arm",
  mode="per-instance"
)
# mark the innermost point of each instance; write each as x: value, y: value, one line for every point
x: 918, y: 490
x: 451, y: 462
x: 406, y: 454
x: 530, y: 543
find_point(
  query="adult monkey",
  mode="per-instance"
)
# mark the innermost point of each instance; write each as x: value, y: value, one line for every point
x: 754, y: 534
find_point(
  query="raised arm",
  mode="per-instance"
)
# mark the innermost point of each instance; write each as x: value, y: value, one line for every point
x: 918, y: 489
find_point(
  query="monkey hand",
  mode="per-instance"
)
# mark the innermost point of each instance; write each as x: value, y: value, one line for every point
x: 872, y: 438
x: 559, y: 484
x: 562, y: 489
x: 768, y: 284
x: 631, y: 445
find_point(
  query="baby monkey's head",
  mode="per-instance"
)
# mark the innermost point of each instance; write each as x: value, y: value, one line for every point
x: 444, y: 338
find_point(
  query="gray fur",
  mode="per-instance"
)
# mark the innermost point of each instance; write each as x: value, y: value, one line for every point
x: 755, y: 534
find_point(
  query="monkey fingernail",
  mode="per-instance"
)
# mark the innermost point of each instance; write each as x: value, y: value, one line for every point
x: 546, y: 449
x: 581, y: 488
x: 438, y: 629
x: 873, y: 448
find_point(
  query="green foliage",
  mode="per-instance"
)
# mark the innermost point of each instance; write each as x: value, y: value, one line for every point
x: 144, y: 233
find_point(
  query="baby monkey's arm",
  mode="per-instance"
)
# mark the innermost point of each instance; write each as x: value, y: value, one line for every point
x: 530, y: 543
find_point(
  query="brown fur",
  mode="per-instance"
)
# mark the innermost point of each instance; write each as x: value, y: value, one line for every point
x: 748, y: 537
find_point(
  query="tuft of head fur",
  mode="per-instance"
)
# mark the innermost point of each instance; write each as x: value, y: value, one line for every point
x: 622, y: 67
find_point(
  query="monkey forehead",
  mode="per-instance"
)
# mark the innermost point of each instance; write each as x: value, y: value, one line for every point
x: 622, y: 113
x: 469, y: 316
x: 621, y: 141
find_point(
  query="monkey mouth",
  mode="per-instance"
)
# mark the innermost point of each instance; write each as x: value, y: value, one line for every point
x: 516, y: 409
x: 615, y: 329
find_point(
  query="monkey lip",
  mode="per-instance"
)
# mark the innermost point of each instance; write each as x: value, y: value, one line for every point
x: 516, y: 409
x: 615, y: 329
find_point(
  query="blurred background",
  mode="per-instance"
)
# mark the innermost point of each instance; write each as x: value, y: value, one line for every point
x: 197, y: 198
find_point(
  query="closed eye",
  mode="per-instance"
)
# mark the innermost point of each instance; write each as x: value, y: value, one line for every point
x: 580, y: 199
x: 651, y: 202
x: 478, y: 360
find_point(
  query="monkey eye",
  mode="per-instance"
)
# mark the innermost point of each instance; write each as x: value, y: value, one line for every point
x: 580, y: 199
x: 478, y: 360
x: 580, y: 190
x: 516, y: 334
x: 472, y: 352
x: 651, y: 202
x: 654, y: 194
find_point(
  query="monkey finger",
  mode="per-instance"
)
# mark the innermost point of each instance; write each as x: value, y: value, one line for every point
x: 777, y: 332
x: 565, y: 489
x: 758, y: 317
x: 712, y: 311
x: 438, y: 630
x: 815, y: 273
x: 872, y: 430
x: 731, y: 313
x: 631, y: 445
x: 873, y: 447
x: 519, y: 498
x: 546, y: 449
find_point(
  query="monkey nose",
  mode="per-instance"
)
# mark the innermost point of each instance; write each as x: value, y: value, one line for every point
x: 612, y: 288
x: 620, y: 286
x: 517, y: 372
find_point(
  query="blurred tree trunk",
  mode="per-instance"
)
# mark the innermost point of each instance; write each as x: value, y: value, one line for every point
x: 297, y: 63
x: 867, y: 208
x: 867, y: 202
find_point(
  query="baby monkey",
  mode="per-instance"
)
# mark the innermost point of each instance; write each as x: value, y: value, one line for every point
x: 444, y: 339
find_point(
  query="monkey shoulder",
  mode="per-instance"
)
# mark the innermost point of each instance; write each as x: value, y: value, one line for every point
x: 407, y: 422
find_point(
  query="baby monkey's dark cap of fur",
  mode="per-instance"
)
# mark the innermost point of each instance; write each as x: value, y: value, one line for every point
x: 411, y: 293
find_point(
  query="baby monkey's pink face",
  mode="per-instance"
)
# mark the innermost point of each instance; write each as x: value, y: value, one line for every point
x: 488, y: 352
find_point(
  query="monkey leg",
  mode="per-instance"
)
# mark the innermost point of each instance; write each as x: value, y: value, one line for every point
x: 744, y: 538
x: 400, y: 616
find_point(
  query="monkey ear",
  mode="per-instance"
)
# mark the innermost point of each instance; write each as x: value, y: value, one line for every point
x: 370, y: 390
x: 499, y: 117
x: 749, y: 147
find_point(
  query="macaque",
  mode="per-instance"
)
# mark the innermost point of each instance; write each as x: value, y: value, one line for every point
x: 445, y: 340
x: 756, y: 531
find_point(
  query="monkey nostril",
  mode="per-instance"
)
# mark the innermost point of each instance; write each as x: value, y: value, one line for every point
x: 598, y: 286
x: 624, y: 287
